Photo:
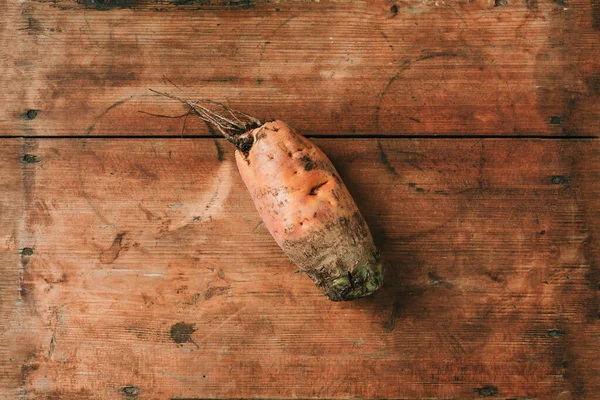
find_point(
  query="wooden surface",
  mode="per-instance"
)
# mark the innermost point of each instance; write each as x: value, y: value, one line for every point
x: 347, y: 67
x: 133, y: 265
x: 143, y: 272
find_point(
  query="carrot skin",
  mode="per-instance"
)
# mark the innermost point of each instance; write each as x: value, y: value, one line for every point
x: 309, y: 212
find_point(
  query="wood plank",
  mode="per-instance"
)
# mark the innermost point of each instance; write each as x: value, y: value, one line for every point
x: 12, y: 310
x: 150, y: 276
x: 482, y: 67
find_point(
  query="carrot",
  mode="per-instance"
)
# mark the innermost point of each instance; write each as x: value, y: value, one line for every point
x: 302, y: 201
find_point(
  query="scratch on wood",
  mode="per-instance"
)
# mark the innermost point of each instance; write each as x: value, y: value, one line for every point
x: 386, y: 39
x: 270, y: 36
x: 173, y: 375
x: 215, y: 195
x: 52, y: 344
x: 222, y: 324
x: 406, y: 64
x: 80, y: 172
x: 258, y: 226
x: 55, y: 319
x: 384, y: 159
x: 455, y: 12
x: 456, y: 346
x: 106, y: 111
x: 172, y: 83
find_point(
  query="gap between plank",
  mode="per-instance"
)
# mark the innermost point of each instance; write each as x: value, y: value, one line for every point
x: 309, y: 137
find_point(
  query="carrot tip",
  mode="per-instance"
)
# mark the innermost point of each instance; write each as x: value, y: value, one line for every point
x: 361, y: 282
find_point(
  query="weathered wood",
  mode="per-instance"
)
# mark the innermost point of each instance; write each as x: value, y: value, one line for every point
x: 11, y: 310
x: 147, y: 275
x: 454, y: 67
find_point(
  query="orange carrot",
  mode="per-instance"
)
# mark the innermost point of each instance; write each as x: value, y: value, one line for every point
x: 302, y: 201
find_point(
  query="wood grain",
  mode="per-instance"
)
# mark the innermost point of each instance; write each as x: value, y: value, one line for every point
x: 483, y: 67
x: 147, y: 275
x: 11, y: 310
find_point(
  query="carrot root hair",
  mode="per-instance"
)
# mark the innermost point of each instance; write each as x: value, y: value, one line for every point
x: 233, y: 124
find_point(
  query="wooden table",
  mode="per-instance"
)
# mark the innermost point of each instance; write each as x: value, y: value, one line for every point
x: 134, y: 266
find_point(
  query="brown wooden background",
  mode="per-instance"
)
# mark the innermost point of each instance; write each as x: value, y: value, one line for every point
x: 133, y: 264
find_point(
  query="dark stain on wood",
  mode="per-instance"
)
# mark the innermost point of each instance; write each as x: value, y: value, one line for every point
x: 213, y: 291
x: 181, y: 333
x: 27, y: 368
x: 207, y: 295
x: 487, y: 391
x: 30, y: 159
x: 595, y: 14
x: 495, y: 277
x: 103, y: 5
x: 149, y: 215
x: 109, y: 255
x: 130, y: 392
x: 30, y: 114
x: 438, y: 281
x: 26, y: 285
x: 417, y: 189
x: 227, y: 3
x: 531, y: 5
x: 396, y: 313
x: 145, y: 173
x: 593, y: 81
x: 220, y: 152
x: 64, y: 278
x: 554, y: 333
x: 559, y: 180
x: 34, y: 26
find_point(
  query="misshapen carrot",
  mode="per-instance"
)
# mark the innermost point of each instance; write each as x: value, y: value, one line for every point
x: 303, y: 203
x: 308, y: 210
